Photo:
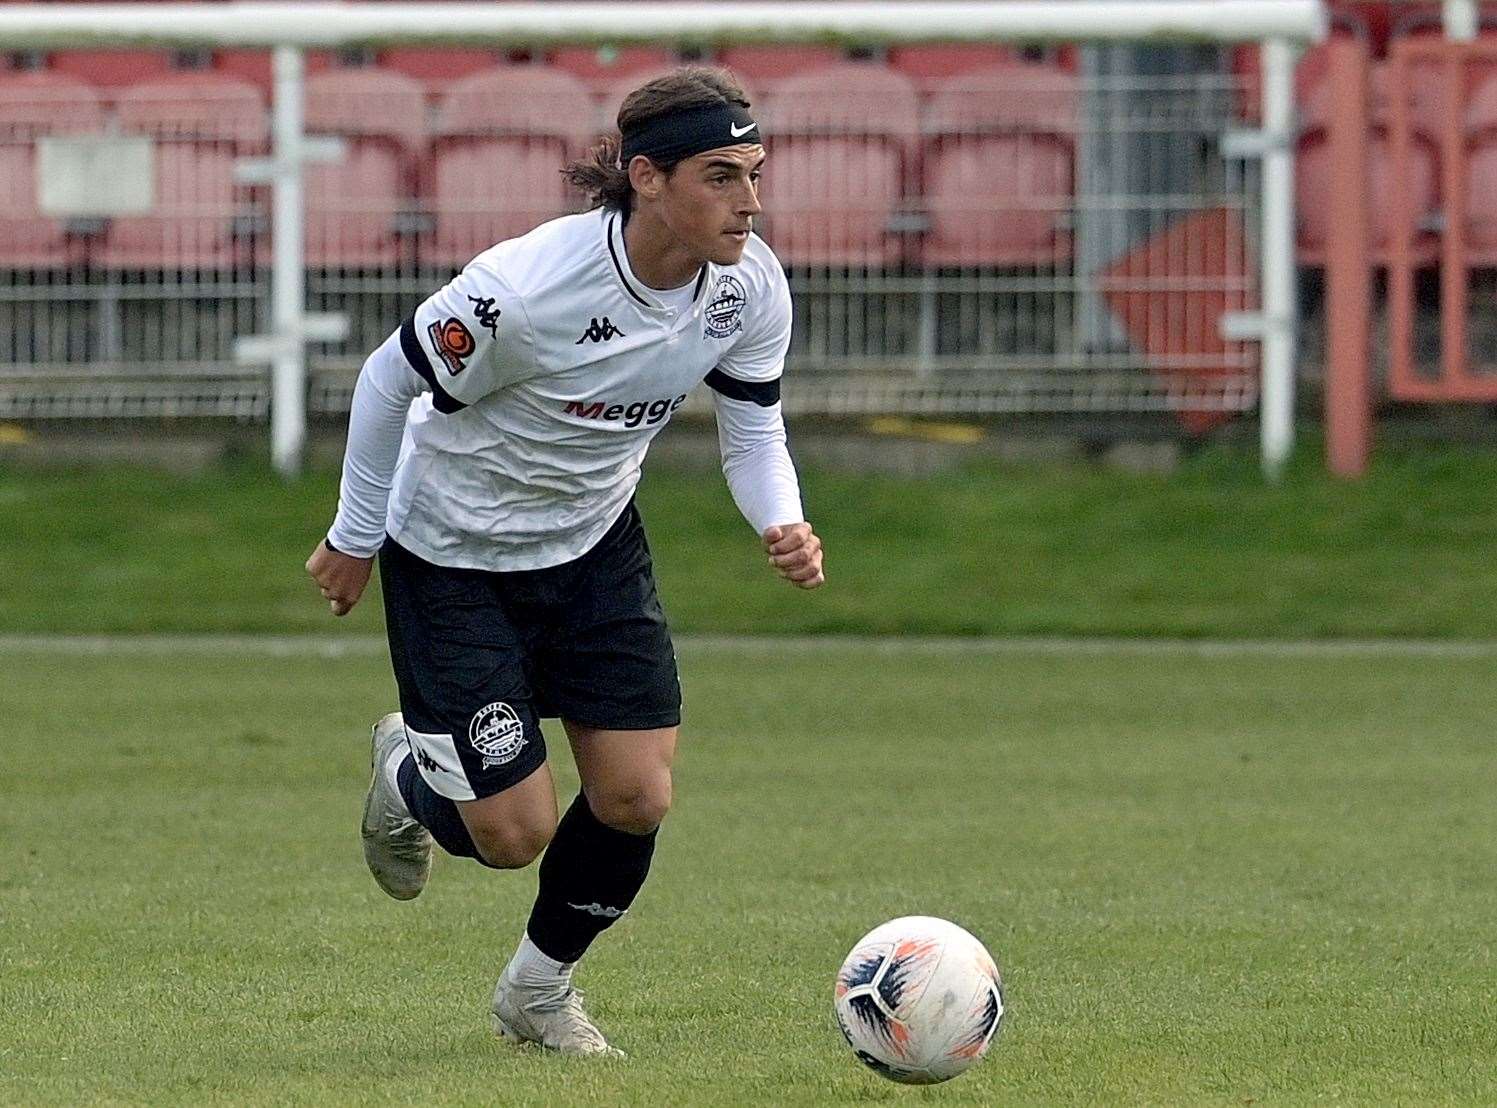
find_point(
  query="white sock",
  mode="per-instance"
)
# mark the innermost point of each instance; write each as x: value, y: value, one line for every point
x: 530, y: 967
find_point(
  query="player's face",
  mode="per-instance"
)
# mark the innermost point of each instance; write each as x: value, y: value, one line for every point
x: 711, y: 199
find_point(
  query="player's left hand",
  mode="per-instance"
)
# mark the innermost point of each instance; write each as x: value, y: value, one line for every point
x: 340, y: 577
x: 795, y: 553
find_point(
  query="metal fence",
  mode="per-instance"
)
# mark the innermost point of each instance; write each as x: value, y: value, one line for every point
x: 1028, y: 237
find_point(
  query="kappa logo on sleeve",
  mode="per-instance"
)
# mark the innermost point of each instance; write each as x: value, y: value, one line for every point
x: 453, y: 342
x: 487, y: 314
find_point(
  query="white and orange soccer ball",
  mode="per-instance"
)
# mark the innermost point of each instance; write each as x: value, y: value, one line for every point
x: 919, y: 1000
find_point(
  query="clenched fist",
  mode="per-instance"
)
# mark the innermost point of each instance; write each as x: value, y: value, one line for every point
x: 795, y: 552
x: 342, y: 578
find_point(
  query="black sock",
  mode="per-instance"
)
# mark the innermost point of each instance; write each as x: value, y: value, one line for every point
x: 435, y: 813
x: 589, y: 877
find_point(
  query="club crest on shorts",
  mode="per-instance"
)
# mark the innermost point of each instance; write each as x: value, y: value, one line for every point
x: 725, y: 307
x: 497, y: 733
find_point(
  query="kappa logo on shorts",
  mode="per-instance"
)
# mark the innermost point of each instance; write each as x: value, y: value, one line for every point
x: 497, y: 733
x: 453, y: 342
x: 725, y: 307
x: 426, y: 761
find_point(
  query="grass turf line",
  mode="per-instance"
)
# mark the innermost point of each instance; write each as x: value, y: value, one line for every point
x: 1209, y: 552
x: 1209, y: 880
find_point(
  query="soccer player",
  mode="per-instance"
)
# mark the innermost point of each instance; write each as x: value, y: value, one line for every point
x: 493, y: 451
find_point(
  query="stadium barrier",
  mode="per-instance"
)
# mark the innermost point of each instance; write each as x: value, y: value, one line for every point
x: 1047, y: 231
x: 1460, y: 78
x: 1435, y: 112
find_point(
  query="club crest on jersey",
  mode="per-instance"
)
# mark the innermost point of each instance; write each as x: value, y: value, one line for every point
x: 453, y: 342
x: 497, y: 734
x: 725, y: 308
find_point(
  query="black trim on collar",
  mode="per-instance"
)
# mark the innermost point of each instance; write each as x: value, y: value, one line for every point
x: 614, y: 254
x: 623, y: 277
x: 410, y: 345
x: 766, y: 394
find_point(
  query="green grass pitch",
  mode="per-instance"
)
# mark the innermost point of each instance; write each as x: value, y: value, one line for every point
x: 1210, y: 878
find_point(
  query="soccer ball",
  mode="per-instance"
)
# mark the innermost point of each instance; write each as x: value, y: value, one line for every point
x: 919, y: 1000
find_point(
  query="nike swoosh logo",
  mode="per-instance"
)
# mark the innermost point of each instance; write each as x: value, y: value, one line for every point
x: 736, y: 133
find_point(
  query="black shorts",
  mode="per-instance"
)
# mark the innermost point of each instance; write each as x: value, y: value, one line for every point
x: 481, y: 657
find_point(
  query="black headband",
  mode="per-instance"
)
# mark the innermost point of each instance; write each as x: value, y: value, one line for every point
x: 678, y: 135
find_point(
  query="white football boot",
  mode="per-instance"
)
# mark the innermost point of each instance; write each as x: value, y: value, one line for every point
x: 396, y: 847
x: 551, y: 1015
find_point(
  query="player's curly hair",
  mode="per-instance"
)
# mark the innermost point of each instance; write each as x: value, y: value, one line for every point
x: 600, y: 177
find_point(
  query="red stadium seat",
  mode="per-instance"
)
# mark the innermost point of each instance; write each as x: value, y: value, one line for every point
x: 1312, y: 185
x: 1417, y: 19
x: 354, y: 207
x: 254, y: 66
x: 32, y: 105
x: 1481, y: 182
x: 1308, y: 74
x: 110, y: 68
x: 843, y: 140
x: 928, y: 64
x: 999, y: 167
x: 436, y: 67
x: 501, y: 139
x: 202, y: 124
x: 1429, y: 77
x: 600, y: 67
x: 763, y: 65
x: 1430, y: 84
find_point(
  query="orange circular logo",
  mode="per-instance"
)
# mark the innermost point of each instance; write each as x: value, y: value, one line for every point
x: 457, y: 339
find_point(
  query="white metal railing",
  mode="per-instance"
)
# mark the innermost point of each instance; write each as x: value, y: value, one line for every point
x: 314, y: 25
x: 1281, y: 25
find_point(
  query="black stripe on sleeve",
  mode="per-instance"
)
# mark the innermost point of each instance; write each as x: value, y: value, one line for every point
x: 410, y: 345
x: 766, y: 394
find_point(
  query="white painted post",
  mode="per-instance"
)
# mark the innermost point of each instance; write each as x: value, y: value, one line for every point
x: 288, y: 395
x: 1280, y: 332
x: 329, y: 25
x: 1462, y: 20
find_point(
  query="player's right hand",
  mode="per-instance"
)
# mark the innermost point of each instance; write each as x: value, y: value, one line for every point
x: 342, y: 578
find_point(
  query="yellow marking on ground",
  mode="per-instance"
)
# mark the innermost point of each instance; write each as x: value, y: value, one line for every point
x: 13, y: 435
x: 961, y: 434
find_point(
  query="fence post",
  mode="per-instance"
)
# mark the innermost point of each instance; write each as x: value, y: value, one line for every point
x: 1280, y: 332
x: 1348, y: 384
x: 288, y: 395
x: 1462, y: 20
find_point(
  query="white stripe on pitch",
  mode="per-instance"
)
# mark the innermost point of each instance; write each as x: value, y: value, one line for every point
x: 324, y: 646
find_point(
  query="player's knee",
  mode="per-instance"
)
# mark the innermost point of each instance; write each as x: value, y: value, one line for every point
x: 637, y: 808
x: 511, y: 845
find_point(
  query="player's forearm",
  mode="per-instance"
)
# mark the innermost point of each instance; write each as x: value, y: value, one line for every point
x: 383, y: 395
x: 757, y: 464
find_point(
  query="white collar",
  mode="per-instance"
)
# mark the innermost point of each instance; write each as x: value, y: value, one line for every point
x: 641, y: 294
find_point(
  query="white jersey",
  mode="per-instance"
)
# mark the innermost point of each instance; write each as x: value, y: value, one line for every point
x: 530, y: 387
